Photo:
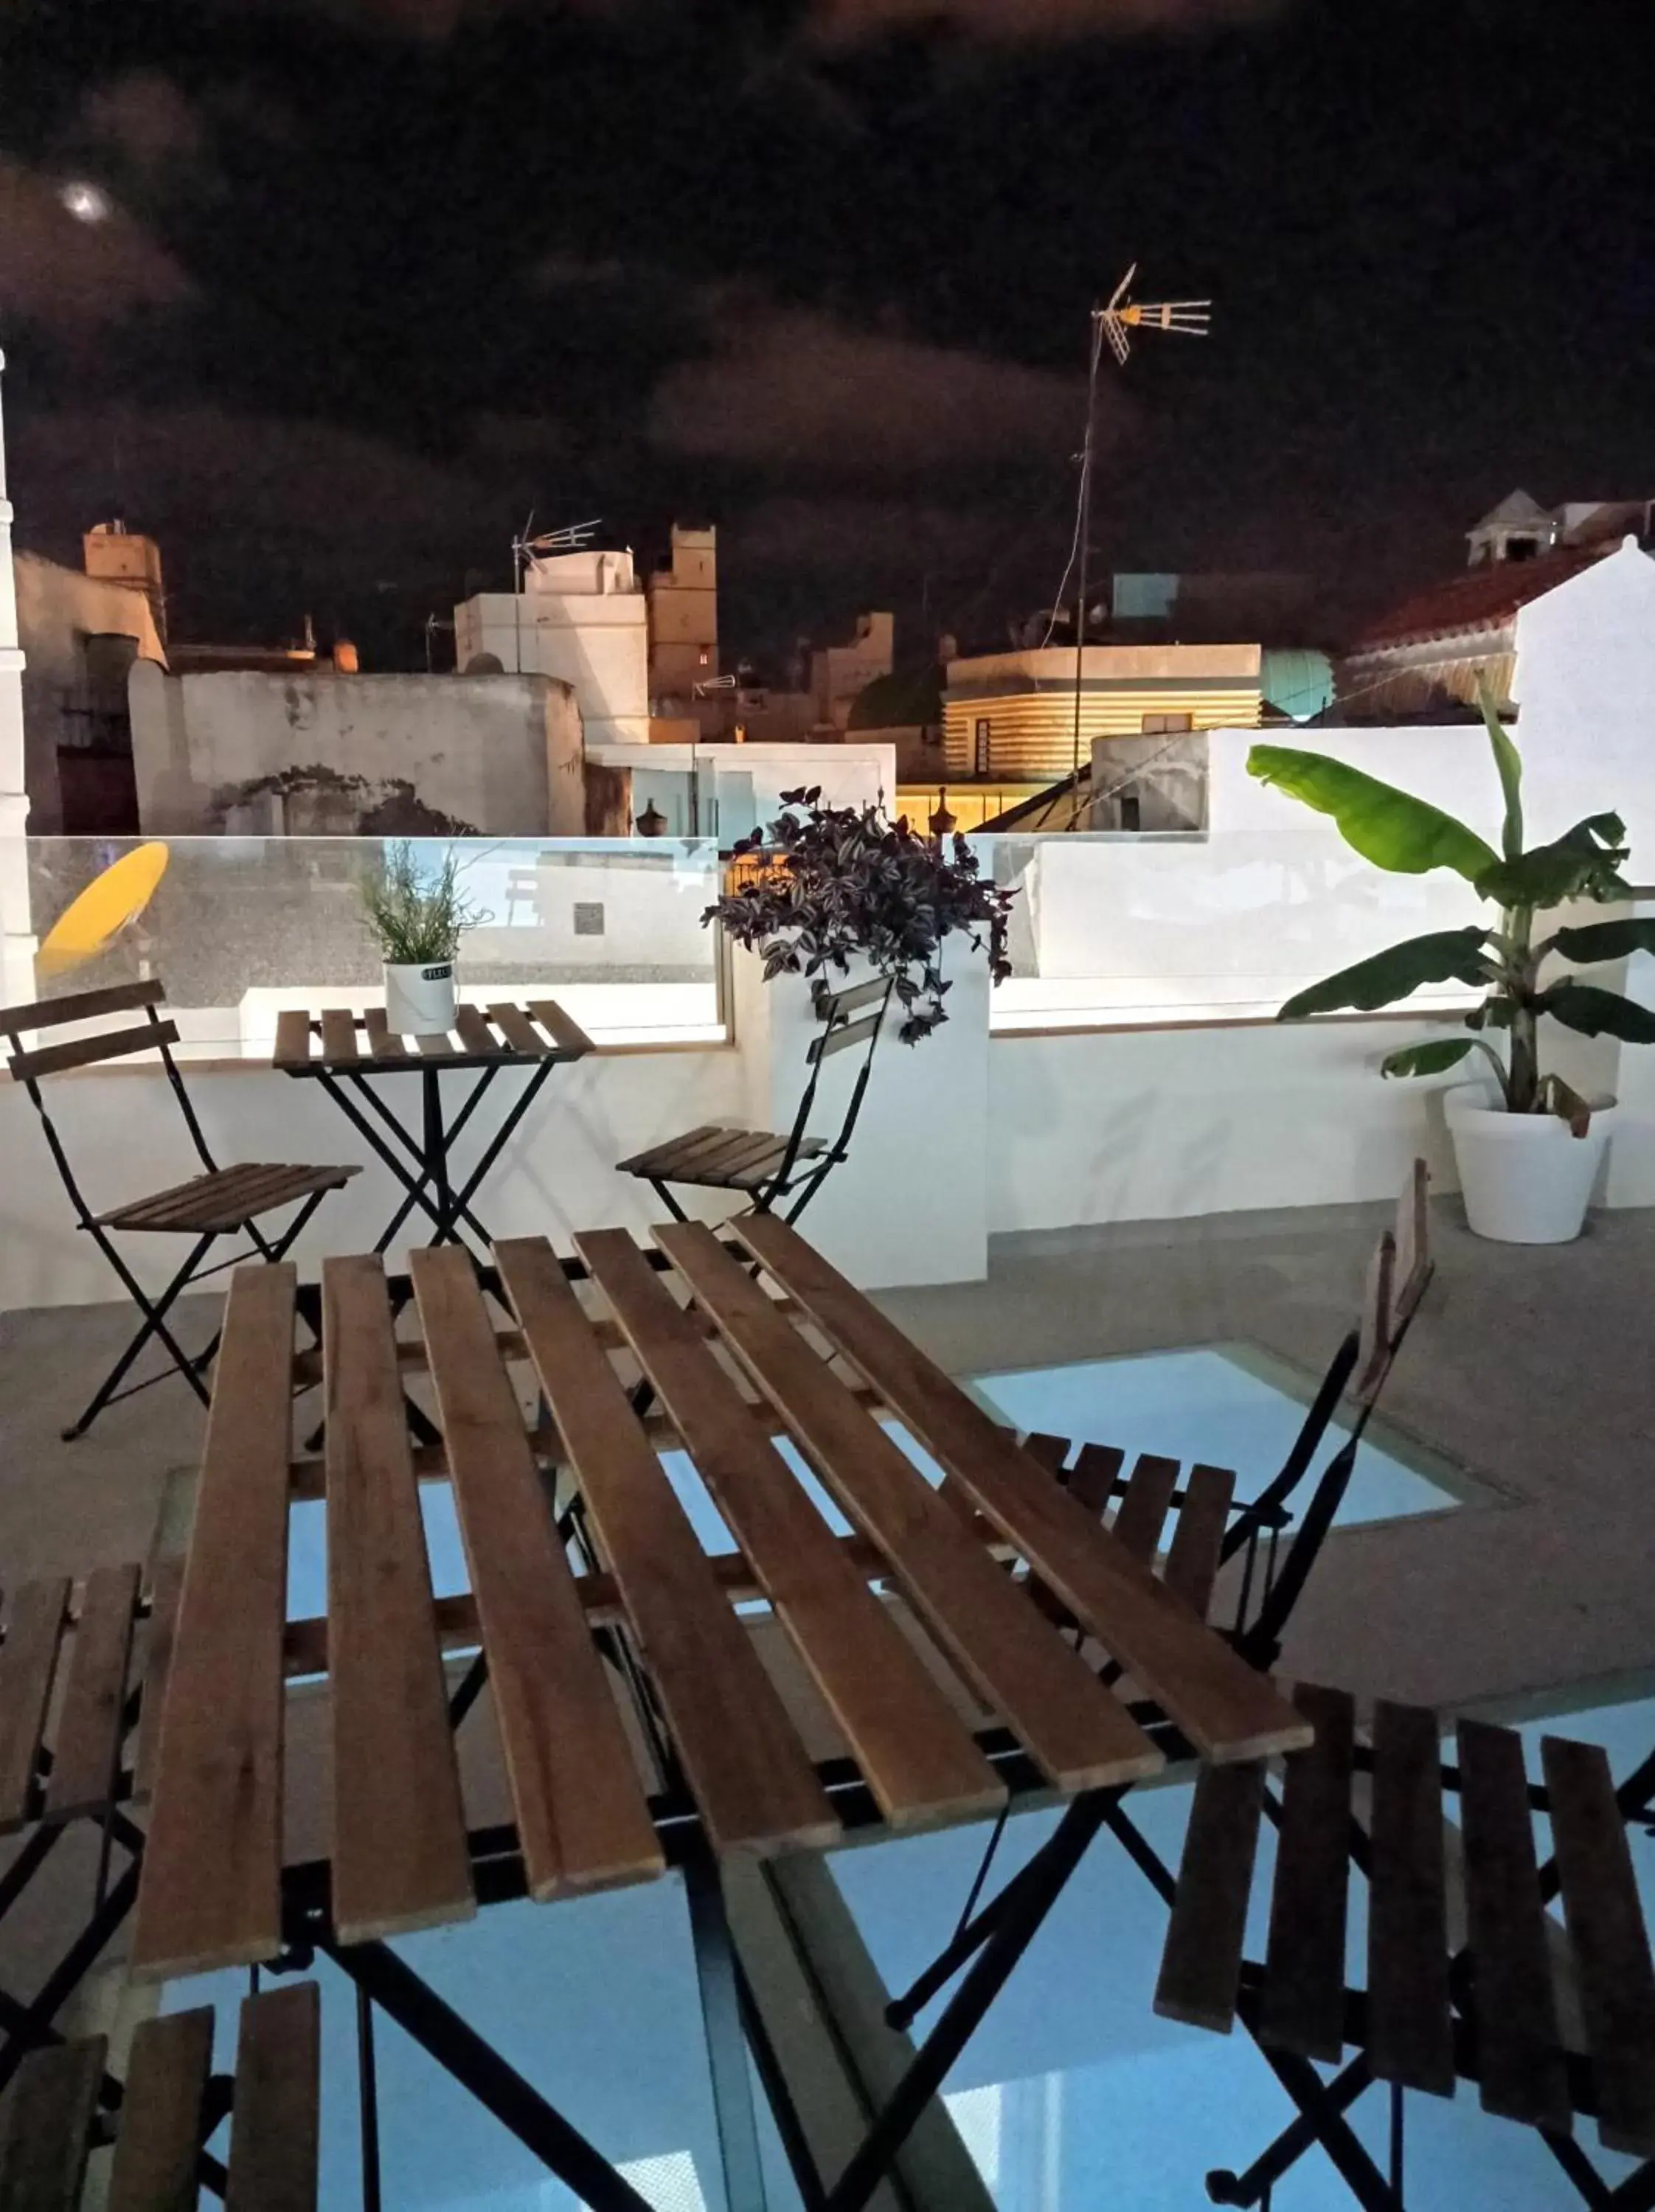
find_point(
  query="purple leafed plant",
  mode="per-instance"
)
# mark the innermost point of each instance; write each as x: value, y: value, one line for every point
x: 824, y: 885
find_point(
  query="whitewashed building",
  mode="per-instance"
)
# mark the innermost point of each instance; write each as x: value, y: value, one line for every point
x: 581, y: 617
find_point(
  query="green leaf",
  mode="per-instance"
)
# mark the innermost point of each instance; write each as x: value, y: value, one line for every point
x: 1389, y: 827
x: 1596, y: 1012
x: 1428, y: 1059
x: 1580, y: 864
x: 1606, y: 940
x: 1509, y: 762
x: 1445, y: 955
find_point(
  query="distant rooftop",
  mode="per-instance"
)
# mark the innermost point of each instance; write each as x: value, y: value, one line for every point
x: 1485, y: 598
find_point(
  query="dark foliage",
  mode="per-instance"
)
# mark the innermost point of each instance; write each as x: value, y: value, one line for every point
x: 829, y: 884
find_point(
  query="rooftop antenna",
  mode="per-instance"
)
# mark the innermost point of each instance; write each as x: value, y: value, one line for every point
x: 1119, y: 314
x: 568, y: 538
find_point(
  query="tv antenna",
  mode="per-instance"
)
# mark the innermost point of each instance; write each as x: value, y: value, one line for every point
x: 570, y: 538
x: 1119, y: 314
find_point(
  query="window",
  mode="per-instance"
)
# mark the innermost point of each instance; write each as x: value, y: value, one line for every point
x: 1131, y: 811
x: 1160, y: 726
x: 980, y: 762
x: 704, y: 658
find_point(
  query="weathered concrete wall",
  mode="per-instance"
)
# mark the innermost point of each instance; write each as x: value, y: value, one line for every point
x: 500, y: 754
x: 58, y: 610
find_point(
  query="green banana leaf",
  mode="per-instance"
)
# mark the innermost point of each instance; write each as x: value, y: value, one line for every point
x: 1596, y: 1012
x: 1509, y: 763
x: 1428, y: 1059
x: 1389, y: 827
x: 1445, y: 955
x: 1580, y: 864
x: 1606, y: 940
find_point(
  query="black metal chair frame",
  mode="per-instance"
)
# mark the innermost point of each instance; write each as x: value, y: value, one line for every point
x: 1323, y: 2104
x: 152, y: 1034
x: 840, y: 1033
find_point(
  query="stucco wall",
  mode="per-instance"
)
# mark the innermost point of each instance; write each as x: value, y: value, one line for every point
x: 57, y: 609
x: 502, y: 752
x: 597, y: 641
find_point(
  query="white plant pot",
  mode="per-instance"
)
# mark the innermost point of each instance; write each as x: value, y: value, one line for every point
x: 1526, y: 1178
x: 419, y: 999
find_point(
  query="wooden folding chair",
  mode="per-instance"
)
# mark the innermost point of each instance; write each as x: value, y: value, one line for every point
x: 1434, y: 2011
x: 765, y: 1164
x: 213, y: 1203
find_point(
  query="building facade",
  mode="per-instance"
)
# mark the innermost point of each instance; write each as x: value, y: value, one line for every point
x: 682, y: 596
x: 581, y: 617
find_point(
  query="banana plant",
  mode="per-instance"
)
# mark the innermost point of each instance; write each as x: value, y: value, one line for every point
x: 1409, y: 836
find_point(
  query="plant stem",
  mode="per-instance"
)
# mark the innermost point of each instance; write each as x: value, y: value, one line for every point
x: 1523, y: 1085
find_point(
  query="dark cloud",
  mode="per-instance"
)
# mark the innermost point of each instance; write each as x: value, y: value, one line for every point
x: 793, y: 386
x: 1030, y: 21
x: 72, y: 274
x: 144, y: 118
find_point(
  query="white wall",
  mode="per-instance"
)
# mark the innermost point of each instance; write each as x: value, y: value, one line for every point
x: 501, y: 752
x: 16, y: 937
x: 597, y: 641
x: 744, y: 783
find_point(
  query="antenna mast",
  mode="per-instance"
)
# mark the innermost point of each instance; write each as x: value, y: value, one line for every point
x: 1119, y: 315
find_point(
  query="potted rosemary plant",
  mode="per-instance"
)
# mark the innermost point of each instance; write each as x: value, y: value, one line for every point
x: 825, y: 890
x: 1528, y: 1146
x: 417, y: 916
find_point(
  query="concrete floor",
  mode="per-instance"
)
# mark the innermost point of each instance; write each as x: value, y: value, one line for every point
x: 1529, y: 1370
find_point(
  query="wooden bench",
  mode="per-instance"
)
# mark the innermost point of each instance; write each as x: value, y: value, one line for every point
x: 60, y: 2110
x: 1432, y: 2012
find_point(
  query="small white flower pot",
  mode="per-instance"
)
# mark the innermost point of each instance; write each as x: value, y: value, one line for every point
x: 1526, y: 1178
x: 419, y: 1001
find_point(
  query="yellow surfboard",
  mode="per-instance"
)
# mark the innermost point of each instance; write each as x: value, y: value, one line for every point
x: 102, y: 910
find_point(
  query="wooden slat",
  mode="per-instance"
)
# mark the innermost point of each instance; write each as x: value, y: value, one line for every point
x: 87, y: 1052
x: 162, y: 1205
x: 399, y: 1853
x: 1224, y: 1708
x: 274, y: 2133
x: 473, y: 1031
x: 519, y: 1031
x: 209, y: 1893
x: 753, y: 1174
x: 1201, y: 1966
x: 712, y: 1164
x: 1142, y: 1512
x: 1378, y: 1324
x: 1304, y: 2001
x: 160, y: 2137
x: 292, y: 1037
x: 689, y: 1156
x: 854, y: 995
x: 1410, y: 2038
x: 339, y: 1037
x: 1093, y: 1478
x: 260, y: 1191
x: 1412, y: 1271
x: 917, y: 1757
x: 43, y: 2150
x: 29, y: 1659
x: 844, y: 1037
x: 565, y: 1032
x: 1079, y: 1735
x: 1192, y: 1562
x: 752, y: 1777
x: 383, y: 1043
x: 1520, y: 2068
x: 642, y: 1163
x: 166, y: 1585
x: 86, y: 1750
x: 82, y: 1006
x: 1611, y: 1944
x: 740, y: 1159
x: 582, y: 1818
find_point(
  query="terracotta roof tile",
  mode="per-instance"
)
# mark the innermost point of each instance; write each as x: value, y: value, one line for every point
x: 1482, y: 598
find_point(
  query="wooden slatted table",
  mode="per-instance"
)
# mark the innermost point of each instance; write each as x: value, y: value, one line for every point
x: 351, y: 1054
x: 212, y: 1885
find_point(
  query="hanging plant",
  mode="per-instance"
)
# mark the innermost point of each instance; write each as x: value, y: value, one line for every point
x: 823, y: 886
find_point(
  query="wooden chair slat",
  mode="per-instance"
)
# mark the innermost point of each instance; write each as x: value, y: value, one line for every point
x: 1078, y: 1734
x: 741, y: 1158
x: 383, y: 1043
x: 473, y: 1031
x: 261, y: 1190
x: 830, y: 1002
x: 166, y: 1585
x: 87, y: 1052
x: 274, y: 2133
x: 1192, y: 1562
x: 1610, y: 1943
x: 1226, y: 1708
x: 1303, y: 2008
x: 1520, y: 2068
x: 753, y: 1174
x: 1142, y: 1512
x: 47, y: 2128
x: 83, y: 1005
x: 645, y: 1163
x: 339, y: 1037
x: 565, y: 1032
x: 87, y: 1747
x: 917, y: 1757
x: 582, y: 1818
x: 1412, y: 1235
x: 160, y: 2137
x: 687, y: 1157
x: 1378, y: 1324
x: 519, y: 1031
x: 399, y: 1854
x: 1410, y: 2036
x: 844, y: 1037
x: 29, y: 1660
x: 209, y: 1893
x: 1094, y: 1475
x: 1201, y: 1966
x: 292, y: 1037
x: 754, y: 1782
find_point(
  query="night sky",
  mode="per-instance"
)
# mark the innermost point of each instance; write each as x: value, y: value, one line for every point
x: 375, y: 278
